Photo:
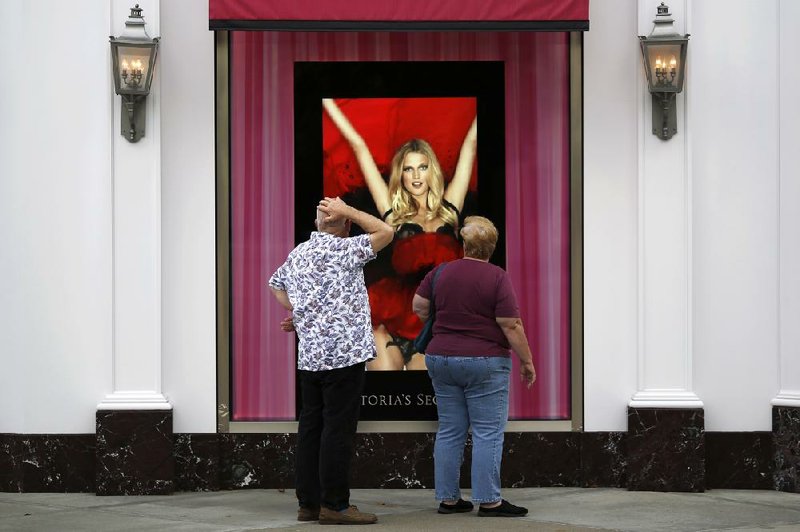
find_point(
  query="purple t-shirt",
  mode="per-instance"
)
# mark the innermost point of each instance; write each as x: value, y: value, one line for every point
x: 469, y: 295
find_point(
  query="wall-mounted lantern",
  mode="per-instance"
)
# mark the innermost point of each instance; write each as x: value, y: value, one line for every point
x: 133, y: 56
x: 664, y: 56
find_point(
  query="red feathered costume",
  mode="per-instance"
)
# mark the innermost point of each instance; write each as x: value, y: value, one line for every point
x: 385, y: 124
x: 412, y: 257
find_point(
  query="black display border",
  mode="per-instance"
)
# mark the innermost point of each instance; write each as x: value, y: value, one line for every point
x: 401, y: 395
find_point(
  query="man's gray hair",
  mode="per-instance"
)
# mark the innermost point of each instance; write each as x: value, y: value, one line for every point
x: 324, y: 226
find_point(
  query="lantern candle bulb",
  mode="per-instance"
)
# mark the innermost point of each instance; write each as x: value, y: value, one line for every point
x: 134, y: 77
x: 661, y: 70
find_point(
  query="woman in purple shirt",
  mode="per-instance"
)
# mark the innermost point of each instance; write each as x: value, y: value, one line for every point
x: 468, y: 359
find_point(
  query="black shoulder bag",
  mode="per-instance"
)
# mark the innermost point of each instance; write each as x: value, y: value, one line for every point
x: 426, y: 334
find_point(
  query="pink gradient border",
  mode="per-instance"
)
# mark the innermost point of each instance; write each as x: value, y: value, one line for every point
x: 262, y: 198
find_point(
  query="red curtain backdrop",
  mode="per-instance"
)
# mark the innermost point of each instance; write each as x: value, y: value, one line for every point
x: 262, y: 197
x: 385, y: 124
x: 400, y: 10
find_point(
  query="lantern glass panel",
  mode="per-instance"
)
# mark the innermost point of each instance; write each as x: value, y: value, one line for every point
x: 664, y: 66
x: 133, y: 69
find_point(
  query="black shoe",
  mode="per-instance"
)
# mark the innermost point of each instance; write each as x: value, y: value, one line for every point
x: 460, y: 506
x: 506, y: 509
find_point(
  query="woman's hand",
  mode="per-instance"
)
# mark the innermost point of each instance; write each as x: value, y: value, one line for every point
x: 527, y: 373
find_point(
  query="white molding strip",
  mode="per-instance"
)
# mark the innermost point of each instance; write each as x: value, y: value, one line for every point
x: 665, y: 399
x: 787, y: 398
x: 135, y: 400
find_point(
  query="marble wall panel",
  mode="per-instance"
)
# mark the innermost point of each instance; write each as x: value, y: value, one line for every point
x: 666, y: 449
x: 256, y: 461
x: 604, y: 460
x: 135, y: 452
x: 11, y: 459
x: 739, y: 460
x: 786, y: 442
x: 197, y: 459
x: 47, y: 463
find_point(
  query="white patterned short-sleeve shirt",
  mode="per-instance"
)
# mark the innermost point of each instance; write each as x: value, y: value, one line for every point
x: 324, y: 279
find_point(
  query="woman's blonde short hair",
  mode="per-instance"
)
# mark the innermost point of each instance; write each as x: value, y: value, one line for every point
x: 480, y: 237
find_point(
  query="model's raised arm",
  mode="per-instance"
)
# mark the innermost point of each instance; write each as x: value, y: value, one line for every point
x: 375, y: 183
x: 457, y: 189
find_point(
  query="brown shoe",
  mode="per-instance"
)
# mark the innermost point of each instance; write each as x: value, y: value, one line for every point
x: 351, y: 516
x: 307, y: 514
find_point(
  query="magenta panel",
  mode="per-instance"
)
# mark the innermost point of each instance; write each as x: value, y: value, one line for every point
x: 400, y: 10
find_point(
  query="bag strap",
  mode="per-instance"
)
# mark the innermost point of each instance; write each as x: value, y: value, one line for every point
x: 436, y: 273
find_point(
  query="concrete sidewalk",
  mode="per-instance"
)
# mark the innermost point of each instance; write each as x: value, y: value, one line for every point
x: 551, y: 509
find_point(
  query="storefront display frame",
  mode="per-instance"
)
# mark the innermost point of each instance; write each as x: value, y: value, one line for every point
x: 223, y: 262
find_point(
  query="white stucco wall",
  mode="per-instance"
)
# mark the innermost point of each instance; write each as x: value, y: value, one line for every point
x: 735, y: 217
x: 58, y: 165
x: 611, y: 66
x: 57, y: 320
x: 188, y: 270
x: 55, y: 212
x: 737, y: 123
x: 789, y: 188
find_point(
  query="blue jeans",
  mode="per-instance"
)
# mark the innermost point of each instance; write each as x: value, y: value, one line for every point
x: 469, y: 391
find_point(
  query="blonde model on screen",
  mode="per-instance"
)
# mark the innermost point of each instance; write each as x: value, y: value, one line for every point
x: 425, y: 216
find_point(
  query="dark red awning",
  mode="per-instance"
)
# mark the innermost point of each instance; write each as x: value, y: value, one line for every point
x: 399, y: 15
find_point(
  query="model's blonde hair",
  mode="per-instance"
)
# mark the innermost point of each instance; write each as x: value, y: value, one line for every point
x: 404, y: 206
x: 480, y: 237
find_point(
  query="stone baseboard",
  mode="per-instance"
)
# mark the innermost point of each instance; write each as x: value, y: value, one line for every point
x: 136, y: 453
x: 786, y: 442
x: 666, y: 449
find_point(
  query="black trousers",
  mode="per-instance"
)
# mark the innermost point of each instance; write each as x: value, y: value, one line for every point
x: 327, y: 427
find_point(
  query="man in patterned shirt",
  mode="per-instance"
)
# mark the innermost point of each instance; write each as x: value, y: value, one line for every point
x: 322, y: 284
